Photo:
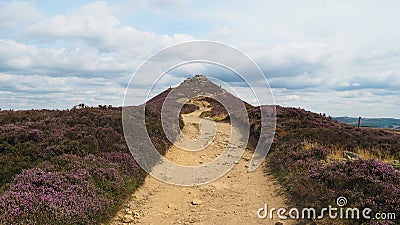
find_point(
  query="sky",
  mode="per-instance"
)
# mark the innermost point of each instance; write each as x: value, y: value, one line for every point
x: 334, y: 57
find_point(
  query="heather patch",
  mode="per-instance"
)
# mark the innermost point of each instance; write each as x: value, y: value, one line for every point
x: 65, y: 167
x: 315, y: 173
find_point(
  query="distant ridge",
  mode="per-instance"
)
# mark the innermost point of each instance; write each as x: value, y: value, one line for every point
x: 389, y: 123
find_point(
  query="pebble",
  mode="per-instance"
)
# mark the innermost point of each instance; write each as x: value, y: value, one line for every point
x: 136, y: 215
x: 197, y: 202
x: 128, y: 218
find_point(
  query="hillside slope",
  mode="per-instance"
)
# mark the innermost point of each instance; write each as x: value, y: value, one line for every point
x: 68, y: 166
x: 311, y: 159
x: 74, y: 167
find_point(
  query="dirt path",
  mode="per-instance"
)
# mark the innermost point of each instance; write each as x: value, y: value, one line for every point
x: 232, y: 199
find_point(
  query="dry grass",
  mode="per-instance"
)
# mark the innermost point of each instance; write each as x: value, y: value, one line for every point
x: 308, y: 145
x: 381, y: 156
x: 205, y: 114
x: 219, y: 118
x: 197, y: 101
x: 375, y: 154
x: 336, y: 155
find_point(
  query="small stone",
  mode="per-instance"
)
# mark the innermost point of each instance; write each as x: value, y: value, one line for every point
x: 197, y: 202
x: 136, y: 215
x: 128, y: 211
x: 351, y: 155
x: 279, y: 223
x: 128, y: 218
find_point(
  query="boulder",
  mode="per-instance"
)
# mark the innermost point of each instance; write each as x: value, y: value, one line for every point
x: 351, y: 155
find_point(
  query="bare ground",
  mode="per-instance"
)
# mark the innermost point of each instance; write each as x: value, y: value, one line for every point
x: 232, y: 199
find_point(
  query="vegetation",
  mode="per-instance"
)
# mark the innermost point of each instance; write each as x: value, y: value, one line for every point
x: 68, y: 167
x: 301, y: 158
x: 217, y: 111
x: 73, y: 166
x: 188, y: 108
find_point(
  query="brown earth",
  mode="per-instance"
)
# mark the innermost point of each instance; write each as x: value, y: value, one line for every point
x: 232, y: 199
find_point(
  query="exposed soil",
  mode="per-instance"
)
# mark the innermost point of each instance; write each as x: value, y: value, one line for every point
x: 232, y: 199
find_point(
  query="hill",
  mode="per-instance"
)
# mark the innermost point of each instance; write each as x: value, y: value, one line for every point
x: 311, y: 158
x: 74, y: 167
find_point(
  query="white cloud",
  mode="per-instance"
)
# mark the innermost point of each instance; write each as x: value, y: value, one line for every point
x: 374, y: 79
x: 93, y: 66
x: 97, y: 27
x: 16, y: 13
x: 161, y: 6
x: 293, y: 58
x: 31, y: 91
x: 225, y: 32
x: 15, y: 56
